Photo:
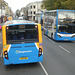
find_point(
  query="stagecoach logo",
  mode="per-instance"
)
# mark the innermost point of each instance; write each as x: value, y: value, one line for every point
x: 22, y: 51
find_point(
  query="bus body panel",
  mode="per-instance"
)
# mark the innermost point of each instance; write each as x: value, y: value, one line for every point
x: 31, y: 60
x: 23, y: 52
x: 18, y: 51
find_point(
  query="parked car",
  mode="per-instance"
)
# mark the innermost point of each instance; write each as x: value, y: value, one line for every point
x: 20, y: 18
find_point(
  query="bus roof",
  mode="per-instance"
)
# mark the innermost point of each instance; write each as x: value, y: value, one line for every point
x: 59, y: 10
x: 15, y: 22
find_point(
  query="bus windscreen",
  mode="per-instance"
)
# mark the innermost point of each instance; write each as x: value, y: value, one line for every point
x: 21, y: 34
x: 66, y: 21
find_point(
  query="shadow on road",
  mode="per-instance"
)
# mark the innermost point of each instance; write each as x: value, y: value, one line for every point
x: 65, y: 41
x: 20, y: 66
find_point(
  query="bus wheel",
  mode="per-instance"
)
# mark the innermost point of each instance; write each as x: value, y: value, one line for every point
x: 52, y: 35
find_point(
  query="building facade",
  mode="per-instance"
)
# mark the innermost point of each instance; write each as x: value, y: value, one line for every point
x: 2, y: 8
x: 5, y: 10
x: 32, y: 9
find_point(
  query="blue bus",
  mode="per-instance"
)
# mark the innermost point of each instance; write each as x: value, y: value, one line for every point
x: 22, y: 42
x: 60, y: 24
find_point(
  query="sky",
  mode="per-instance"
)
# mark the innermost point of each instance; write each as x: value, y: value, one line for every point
x: 18, y: 4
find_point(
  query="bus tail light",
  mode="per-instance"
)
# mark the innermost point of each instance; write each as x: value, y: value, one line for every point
x: 6, y: 54
x: 40, y: 52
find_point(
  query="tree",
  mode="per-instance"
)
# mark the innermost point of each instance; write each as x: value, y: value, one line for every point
x: 49, y: 4
x: 59, y: 4
x: 72, y: 4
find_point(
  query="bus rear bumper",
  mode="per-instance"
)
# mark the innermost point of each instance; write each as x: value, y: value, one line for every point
x: 8, y: 62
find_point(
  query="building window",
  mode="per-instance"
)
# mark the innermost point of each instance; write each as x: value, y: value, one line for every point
x: 31, y: 12
x: 34, y: 7
x: 31, y: 7
x: 34, y: 12
x: 34, y: 18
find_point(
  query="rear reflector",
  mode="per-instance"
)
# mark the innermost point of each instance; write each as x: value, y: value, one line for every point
x: 40, y: 52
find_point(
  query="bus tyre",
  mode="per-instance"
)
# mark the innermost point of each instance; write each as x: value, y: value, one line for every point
x: 52, y: 35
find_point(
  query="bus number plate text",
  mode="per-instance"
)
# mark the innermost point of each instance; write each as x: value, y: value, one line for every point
x: 22, y: 58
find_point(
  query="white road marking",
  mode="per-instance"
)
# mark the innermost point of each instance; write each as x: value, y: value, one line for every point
x: 51, y: 41
x: 64, y: 49
x: 45, y: 36
x: 43, y: 68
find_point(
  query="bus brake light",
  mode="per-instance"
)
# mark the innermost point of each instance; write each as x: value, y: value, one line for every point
x: 6, y: 54
x: 40, y: 52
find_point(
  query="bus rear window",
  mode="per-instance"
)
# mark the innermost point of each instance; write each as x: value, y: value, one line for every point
x: 21, y: 34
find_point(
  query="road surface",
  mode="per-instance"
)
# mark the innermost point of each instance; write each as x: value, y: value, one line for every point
x: 59, y: 59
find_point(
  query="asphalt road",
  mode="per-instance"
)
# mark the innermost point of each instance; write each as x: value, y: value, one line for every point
x: 59, y: 59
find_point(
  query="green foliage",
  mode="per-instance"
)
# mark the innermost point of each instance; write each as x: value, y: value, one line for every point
x: 48, y: 4
x: 59, y: 4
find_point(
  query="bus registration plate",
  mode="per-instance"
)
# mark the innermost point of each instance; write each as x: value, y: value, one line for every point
x: 22, y: 58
